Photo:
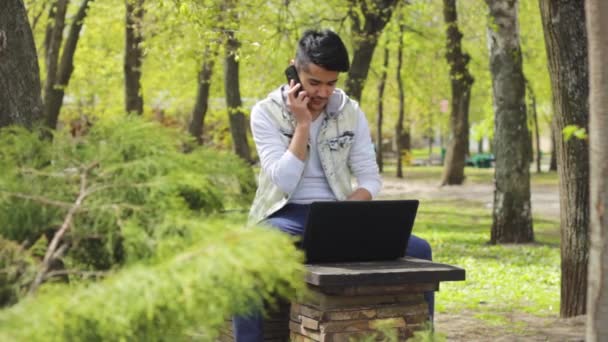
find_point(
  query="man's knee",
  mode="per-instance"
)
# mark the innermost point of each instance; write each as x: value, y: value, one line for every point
x: 419, y: 248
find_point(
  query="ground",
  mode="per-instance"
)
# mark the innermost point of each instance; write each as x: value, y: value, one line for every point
x: 464, y: 326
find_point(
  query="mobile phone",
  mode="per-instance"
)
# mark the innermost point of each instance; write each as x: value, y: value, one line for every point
x: 292, y: 74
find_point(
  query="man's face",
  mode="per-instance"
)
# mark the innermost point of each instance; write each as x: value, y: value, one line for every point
x: 319, y: 84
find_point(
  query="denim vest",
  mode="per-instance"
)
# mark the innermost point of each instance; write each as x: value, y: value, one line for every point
x: 334, y: 141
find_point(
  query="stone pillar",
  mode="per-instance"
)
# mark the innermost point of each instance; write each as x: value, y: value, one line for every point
x: 350, y: 301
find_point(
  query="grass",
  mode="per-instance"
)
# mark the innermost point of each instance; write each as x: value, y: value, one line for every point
x: 500, y: 279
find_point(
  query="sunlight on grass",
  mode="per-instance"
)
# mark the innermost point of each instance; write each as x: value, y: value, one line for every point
x: 500, y: 279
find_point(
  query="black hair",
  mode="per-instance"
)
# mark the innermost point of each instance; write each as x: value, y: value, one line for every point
x: 323, y: 48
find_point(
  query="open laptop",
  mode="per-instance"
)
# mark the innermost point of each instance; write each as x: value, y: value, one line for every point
x: 343, y: 231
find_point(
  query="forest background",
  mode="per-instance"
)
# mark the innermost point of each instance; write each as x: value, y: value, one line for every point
x: 128, y: 87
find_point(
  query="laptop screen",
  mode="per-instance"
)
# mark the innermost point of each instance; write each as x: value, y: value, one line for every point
x: 344, y: 231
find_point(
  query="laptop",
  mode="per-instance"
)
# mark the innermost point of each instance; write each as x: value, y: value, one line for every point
x: 346, y: 231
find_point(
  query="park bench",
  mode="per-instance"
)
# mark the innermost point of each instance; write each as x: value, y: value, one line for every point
x: 349, y: 301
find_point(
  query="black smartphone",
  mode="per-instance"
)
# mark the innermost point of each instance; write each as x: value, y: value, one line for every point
x: 292, y: 74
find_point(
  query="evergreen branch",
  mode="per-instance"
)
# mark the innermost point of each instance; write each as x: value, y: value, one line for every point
x: 40, y: 199
x: 35, y: 172
x: 84, y: 274
x: 67, y: 223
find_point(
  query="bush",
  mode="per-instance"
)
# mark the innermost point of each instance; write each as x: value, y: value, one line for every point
x: 137, y: 185
x: 136, y: 174
x: 186, y: 296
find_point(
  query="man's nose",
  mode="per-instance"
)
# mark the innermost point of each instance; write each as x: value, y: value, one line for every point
x: 325, y: 91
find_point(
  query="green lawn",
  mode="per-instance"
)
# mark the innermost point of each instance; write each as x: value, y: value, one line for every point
x: 500, y: 279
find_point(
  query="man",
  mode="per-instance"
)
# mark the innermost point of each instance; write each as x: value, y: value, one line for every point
x: 311, y: 138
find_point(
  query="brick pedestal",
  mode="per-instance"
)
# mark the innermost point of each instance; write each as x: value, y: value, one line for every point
x: 350, y: 301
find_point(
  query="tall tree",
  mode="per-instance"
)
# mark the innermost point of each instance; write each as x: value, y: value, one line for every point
x: 55, y: 91
x: 134, y: 102
x: 52, y: 45
x: 202, y: 94
x: 20, y: 101
x: 597, y: 302
x: 368, y: 19
x: 534, y: 114
x: 399, y: 133
x: 553, y: 160
x: 461, y: 82
x: 238, y: 121
x: 566, y: 44
x: 512, y: 213
x: 379, y: 118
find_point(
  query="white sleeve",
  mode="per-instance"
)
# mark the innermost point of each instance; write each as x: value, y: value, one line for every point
x: 282, y: 166
x: 362, y: 158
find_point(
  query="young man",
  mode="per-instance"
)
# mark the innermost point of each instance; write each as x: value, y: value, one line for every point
x: 311, y: 138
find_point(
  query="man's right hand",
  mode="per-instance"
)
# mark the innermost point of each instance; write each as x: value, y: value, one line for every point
x: 298, y: 104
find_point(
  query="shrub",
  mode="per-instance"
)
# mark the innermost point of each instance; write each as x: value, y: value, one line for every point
x: 185, y: 296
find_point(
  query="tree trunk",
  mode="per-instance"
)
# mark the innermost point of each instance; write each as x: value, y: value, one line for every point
x: 53, y: 98
x: 20, y: 101
x: 367, y: 24
x: 535, y: 123
x: 52, y: 43
x: 399, y: 134
x: 480, y: 146
x: 553, y: 161
x: 566, y: 43
x: 238, y: 121
x: 196, y: 127
x: 134, y: 102
x: 512, y: 213
x: 461, y: 82
x: 597, y: 301
x: 381, y: 86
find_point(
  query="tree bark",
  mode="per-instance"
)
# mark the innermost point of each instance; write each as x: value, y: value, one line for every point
x: 461, y: 82
x: 134, y: 102
x: 399, y: 134
x: 367, y: 25
x: 238, y: 121
x: 201, y: 105
x: 597, y: 301
x: 20, y: 101
x: 553, y: 161
x: 52, y: 43
x: 53, y: 98
x: 535, y: 123
x: 512, y: 213
x: 381, y: 86
x: 566, y: 43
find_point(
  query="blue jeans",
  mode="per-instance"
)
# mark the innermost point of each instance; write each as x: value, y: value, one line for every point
x: 291, y: 219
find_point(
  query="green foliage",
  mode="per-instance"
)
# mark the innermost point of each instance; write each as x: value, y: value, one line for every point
x: 150, y: 226
x: 500, y: 278
x: 574, y: 131
x: 137, y: 181
x: 15, y: 265
x: 185, y: 294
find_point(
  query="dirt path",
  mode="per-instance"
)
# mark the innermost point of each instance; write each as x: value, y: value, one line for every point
x: 545, y: 198
x: 464, y: 326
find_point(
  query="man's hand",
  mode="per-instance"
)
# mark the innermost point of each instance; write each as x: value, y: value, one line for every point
x: 360, y: 194
x: 298, y: 105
